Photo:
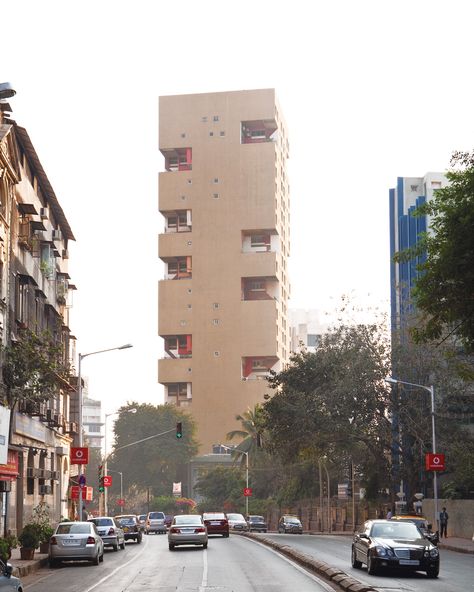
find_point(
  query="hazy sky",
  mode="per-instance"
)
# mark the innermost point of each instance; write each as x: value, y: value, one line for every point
x: 371, y: 90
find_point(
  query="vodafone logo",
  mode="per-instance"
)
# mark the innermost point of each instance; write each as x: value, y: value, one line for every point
x: 435, y: 462
x: 79, y: 456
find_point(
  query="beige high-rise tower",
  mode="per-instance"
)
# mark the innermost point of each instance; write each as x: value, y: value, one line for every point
x: 224, y: 197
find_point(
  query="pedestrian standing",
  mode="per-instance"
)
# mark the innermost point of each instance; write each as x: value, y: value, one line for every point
x: 443, y: 523
x: 389, y: 514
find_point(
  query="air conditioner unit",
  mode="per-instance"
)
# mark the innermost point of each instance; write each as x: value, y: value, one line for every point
x: 47, y: 474
x: 58, y: 419
x: 5, y: 486
x: 45, y: 490
x: 30, y: 472
x: 44, y: 213
x: 55, y: 475
x: 57, y: 236
x: 62, y: 451
x: 41, y: 473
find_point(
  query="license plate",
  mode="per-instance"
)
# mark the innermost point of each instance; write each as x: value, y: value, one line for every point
x: 215, y: 523
x: 409, y: 562
x: 71, y: 543
x: 187, y: 530
x: 125, y: 529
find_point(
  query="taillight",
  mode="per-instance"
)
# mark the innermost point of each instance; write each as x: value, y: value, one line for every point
x: 111, y: 531
x: 175, y: 530
x: 200, y: 529
x: 53, y: 541
x: 90, y: 541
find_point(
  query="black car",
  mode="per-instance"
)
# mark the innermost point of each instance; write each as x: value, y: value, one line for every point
x: 257, y: 523
x: 131, y: 526
x: 394, y: 544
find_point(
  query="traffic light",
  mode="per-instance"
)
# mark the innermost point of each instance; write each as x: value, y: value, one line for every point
x: 101, y: 485
x: 99, y: 471
x: 179, y: 430
x: 349, y: 489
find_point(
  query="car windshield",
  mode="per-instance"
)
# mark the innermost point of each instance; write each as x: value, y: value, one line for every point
x: 126, y: 520
x: 256, y: 519
x: 213, y: 516
x: 419, y: 522
x: 235, y: 517
x: 395, y: 530
x: 73, y: 528
x: 292, y: 520
x: 102, y: 521
x: 142, y: 517
x: 157, y: 516
x: 187, y: 519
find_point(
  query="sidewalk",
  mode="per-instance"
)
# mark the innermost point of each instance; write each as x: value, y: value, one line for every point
x: 22, y: 568
x: 457, y: 544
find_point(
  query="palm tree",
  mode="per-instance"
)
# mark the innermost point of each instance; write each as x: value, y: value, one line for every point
x: 251, y: 432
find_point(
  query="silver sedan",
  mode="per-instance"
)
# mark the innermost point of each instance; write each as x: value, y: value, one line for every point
x: 187, y: 529
x: 75, y: 541
x: 9, y: 583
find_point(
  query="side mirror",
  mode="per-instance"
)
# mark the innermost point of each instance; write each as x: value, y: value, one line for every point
x: 362, y: 535
x: 8, y: 570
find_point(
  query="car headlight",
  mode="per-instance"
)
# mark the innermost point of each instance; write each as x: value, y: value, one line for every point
x: 434, y: 553
x: 382, y: 551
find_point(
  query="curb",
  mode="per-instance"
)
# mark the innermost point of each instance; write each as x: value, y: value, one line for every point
x: 332, y: 574
x: 24, y: 568
x: 449, y: 547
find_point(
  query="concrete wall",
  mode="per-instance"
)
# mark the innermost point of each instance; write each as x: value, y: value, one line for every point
x: 461, y: 515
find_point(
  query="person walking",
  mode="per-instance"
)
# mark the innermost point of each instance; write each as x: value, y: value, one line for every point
x: 443, y: 523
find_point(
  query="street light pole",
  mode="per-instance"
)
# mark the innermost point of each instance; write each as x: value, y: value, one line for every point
x: 80, y: 401
x: 430, y: 389
x: 246, y: 472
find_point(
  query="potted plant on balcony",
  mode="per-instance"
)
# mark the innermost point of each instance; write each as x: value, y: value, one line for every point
x: 29, y: 539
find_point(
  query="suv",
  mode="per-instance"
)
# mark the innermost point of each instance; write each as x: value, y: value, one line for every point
x: 131, y: 527
x: 155, y: 522
x: 290, y: 524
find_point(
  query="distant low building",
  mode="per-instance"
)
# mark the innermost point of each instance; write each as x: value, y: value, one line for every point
x: 92, y: 422
x: 306, y: 329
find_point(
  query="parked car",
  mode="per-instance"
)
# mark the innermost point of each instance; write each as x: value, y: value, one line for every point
x: 257, y: 523
x: 290, y: 524
x: 394, y: 544
x: 9, y: 583
x: 216, y: 523
x: 237, y: 522
x: 111, y: 532
x: 131, y: 527
x: 187, y: 529
x: 155, y: 522
x: 422, y: 523
x: 76, y: 541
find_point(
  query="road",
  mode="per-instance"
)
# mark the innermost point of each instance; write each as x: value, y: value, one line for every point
x: 456, y: 572
x: 234, y: 564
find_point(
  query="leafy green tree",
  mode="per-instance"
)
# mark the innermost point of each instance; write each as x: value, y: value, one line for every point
x: 158, y: 462
x: 221, y: 488
x: 333, y: 403
x: 444, y: 292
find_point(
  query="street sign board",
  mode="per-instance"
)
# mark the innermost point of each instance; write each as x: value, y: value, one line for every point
x: 435, y: 462
x: 82, y: 481
x: 120, y: 502
x: 107, y: 480
x: 247, y: 491
x: 86, y: 493
x: 79, y: 456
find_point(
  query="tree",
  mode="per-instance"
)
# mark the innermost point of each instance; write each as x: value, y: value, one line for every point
x: 251, y: 432
x: 333, y: 403
x: 444, y: 292
x: 158, y: 462
x: 221, y: 488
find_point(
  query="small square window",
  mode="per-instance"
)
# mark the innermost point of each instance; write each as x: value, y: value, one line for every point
x: 190, y: 291
x: 216, y: 180
x: 215, y: 321
x: 190, y: 181
x: 221, y: 134
x: 211, y: 133
x: 215, y: 118
x: 204, y: 118
x: 183, y: 197
x: 216, y: 354
x: 215, y: 195
x: 182, y: 323
x: 215, y: 305
x: 190, y: 306
x: 183, y: 135
x: 190, y: 369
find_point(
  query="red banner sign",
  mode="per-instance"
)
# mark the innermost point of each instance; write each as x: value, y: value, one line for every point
x: 79, y: 456
x: 9, y: 472
x: 120, y: 502
x: 86, y: 493
x: 107, y: 480
x: 247, y: 491
x: 434, y: 462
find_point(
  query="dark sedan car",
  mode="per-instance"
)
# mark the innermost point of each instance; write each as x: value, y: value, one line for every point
x: 131, y: 527
x: 257, y: 523
x: 216, y: 523
x: 393, y: 544
x: 290, y: 524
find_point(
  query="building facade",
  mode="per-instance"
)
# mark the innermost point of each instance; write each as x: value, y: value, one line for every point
x: 224, y: 198
x: 405, y: 229
x: 92, y: 422
x: 35, y: 297
x: 306, y: 329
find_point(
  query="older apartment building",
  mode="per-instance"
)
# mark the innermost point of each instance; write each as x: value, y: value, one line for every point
x: 35, y: 295
x: 224, y: 198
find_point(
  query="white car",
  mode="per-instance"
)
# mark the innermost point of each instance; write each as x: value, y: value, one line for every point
x: 75, y: 541
x: 111, y: 532
x: 9, y: 583
x: 237, y: 522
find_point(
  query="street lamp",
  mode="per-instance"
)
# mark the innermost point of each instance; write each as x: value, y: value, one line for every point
x: 79, y: 391
x: 430, y: 389
x: 246, y: 472
x: 106, y: 457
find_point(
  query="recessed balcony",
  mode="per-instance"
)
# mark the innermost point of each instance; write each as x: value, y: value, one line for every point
x: 259, y: 367
x: 258, y: 131
x: 178, y: 159
x: 178, y: 346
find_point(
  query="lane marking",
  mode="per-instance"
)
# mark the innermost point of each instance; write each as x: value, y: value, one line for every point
x: 203, y: 585
x: 311, y: 575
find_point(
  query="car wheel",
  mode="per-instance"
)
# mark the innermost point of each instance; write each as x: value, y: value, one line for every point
x: 354, y: 561
x: 171, y: 547
x: 433, y: 572
x: 96, y: 560
x: 138, y: 540
x: 371, y: 566
x: 101, y: 558
x: 204, y: 545
x: 115, y: 547
x: 226, y: 536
